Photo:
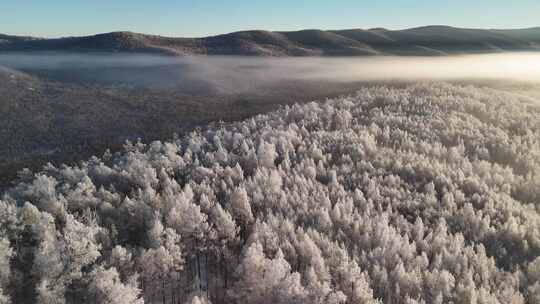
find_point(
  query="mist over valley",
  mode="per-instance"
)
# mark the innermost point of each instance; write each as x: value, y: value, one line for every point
x: 86, y: 103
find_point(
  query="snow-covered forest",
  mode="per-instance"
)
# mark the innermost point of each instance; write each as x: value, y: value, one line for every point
x: 423, y: 194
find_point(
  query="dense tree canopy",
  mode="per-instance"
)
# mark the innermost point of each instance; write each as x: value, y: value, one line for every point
x: 424, y: 194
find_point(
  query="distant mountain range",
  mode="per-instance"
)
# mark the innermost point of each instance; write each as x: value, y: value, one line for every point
x: 428, y: 40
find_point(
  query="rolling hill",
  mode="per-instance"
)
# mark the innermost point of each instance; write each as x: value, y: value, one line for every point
x: 422, y: 194
x: 428, y: 40
x: 5, y: 39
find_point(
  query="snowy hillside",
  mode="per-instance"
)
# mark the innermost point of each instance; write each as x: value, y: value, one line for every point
x: 425, y: 194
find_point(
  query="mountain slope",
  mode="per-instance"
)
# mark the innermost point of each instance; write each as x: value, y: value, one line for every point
x: 358, y: 199
x: 109, y: 42
x: 428, y: 40
x: 13, y: 39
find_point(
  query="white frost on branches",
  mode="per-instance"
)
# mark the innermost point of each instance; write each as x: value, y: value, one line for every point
x: 423, y: 194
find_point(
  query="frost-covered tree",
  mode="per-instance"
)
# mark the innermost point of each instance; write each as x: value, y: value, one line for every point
x: 5, y: 256
x: 264, y: 280
x: 107, y: 288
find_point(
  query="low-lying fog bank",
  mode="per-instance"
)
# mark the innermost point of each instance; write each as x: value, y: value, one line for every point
x: 241, y: 74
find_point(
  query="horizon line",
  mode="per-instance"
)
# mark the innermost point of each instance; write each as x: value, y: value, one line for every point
x: 268, y: 30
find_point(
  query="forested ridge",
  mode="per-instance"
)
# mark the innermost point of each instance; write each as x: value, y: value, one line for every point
x: 424, y: 194
x: 431, y: 40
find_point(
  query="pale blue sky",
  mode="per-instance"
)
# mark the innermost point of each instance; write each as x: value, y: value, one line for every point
x: 191, y: 18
